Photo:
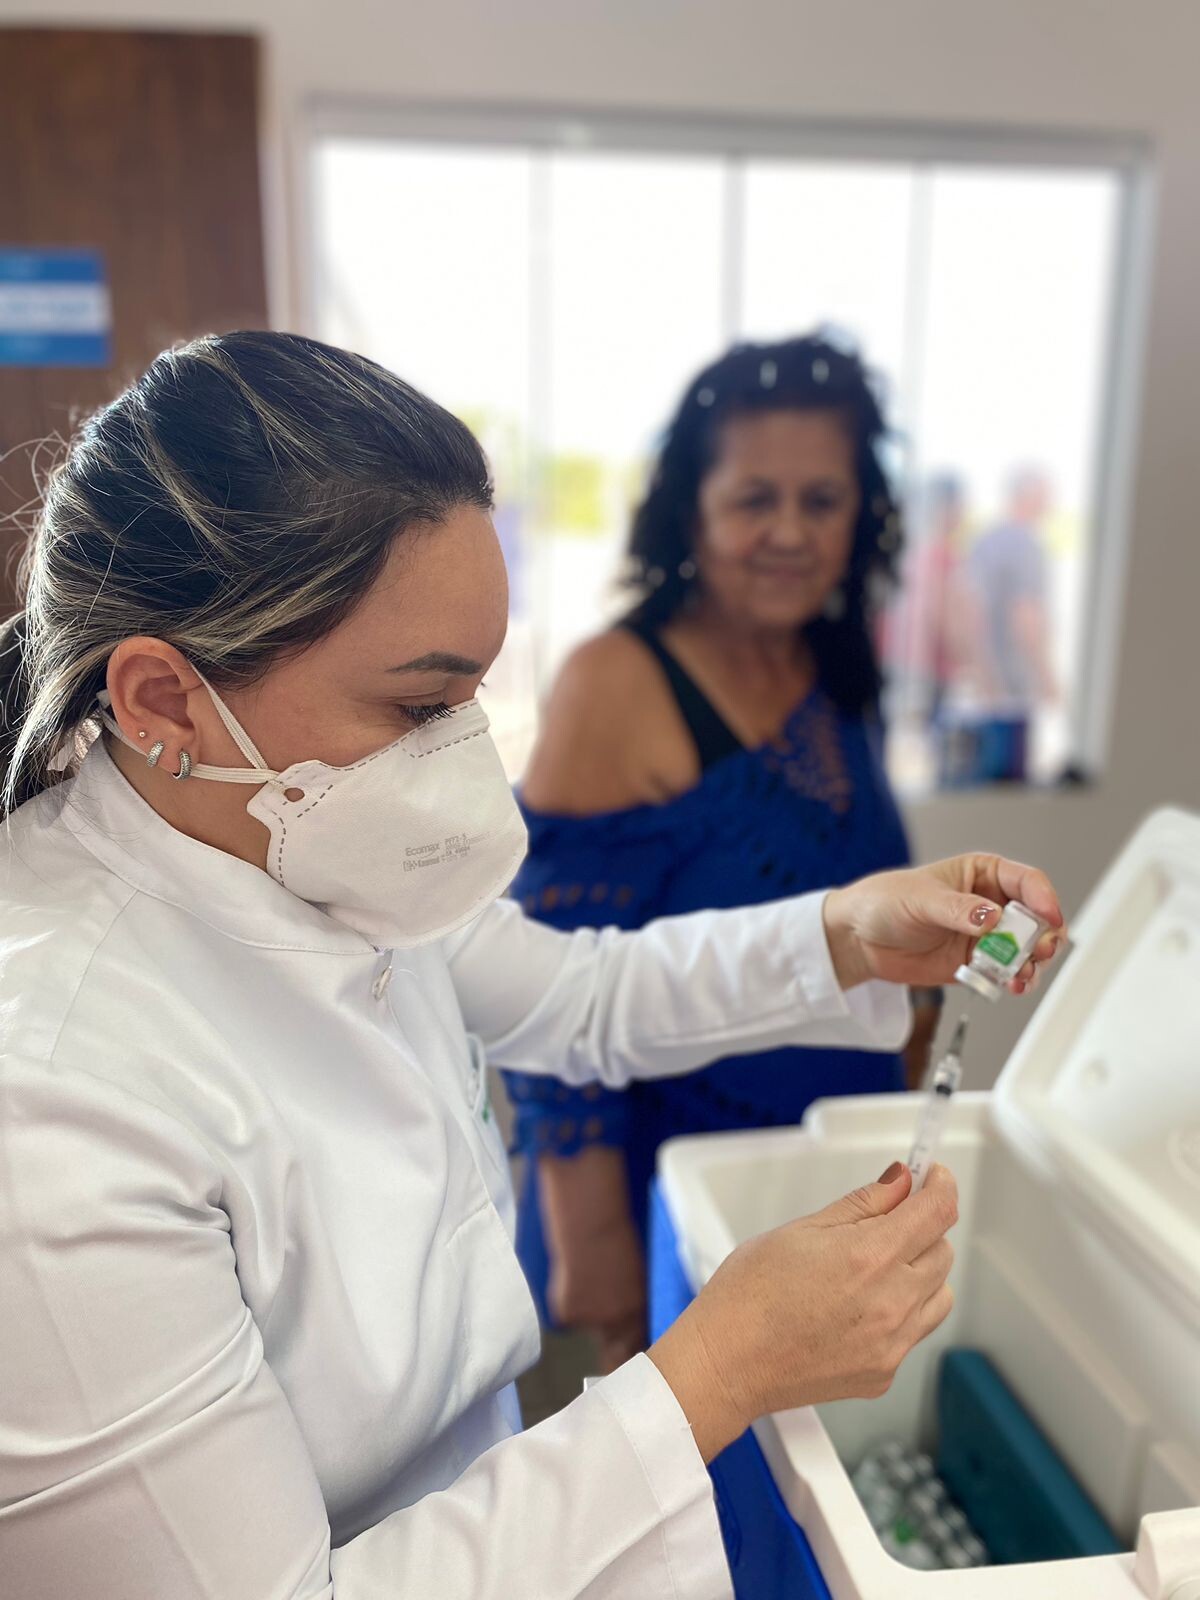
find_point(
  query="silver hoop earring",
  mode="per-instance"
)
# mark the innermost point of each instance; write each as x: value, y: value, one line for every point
x: 185, y: 767
x: 155, y: 751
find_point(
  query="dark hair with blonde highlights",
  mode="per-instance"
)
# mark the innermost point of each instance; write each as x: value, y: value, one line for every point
x: 238, y: 500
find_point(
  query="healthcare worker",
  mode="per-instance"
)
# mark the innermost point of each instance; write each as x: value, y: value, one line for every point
x: 261, y: 1310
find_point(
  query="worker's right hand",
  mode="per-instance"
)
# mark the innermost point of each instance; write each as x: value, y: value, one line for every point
x: 820, y: 1309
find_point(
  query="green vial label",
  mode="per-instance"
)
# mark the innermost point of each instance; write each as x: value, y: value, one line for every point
x: 1001, y: 946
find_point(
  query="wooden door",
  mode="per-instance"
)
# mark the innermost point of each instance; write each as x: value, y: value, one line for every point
x: 143, y: 146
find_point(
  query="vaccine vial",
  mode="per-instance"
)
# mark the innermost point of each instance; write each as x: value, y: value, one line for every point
x: 923, y: 1504
x: 1001, y: 954
x: 883, y: 1505
x: 903, y: 1545
x: 976, y: 1550
x: 955, y: 1519
x: 937, y: 1532
x: 902, y: 1475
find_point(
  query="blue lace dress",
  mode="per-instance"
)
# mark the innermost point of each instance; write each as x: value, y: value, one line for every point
x: 810, y: 810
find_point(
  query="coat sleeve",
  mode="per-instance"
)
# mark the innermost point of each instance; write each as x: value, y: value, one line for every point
x: 613, y: 1005
x: 592, y: 872
x: 147, y: 1451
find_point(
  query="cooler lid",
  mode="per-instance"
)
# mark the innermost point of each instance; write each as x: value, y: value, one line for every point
x: 1104, y: 1085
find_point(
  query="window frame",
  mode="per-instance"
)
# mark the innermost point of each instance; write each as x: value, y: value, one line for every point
x: 1127, y: 157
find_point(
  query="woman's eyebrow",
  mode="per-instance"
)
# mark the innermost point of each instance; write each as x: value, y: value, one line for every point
x: 440, y: 661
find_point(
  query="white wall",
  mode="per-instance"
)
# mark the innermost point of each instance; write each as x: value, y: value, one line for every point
x: 1123, y: 65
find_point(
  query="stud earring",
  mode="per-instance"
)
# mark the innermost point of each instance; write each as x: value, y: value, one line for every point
x: 185, y: 767
x: 687, y: 569
x: 154, y: 753
x: 141, y: 733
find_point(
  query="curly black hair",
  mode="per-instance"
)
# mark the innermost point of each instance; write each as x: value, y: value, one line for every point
x: 812, y: 373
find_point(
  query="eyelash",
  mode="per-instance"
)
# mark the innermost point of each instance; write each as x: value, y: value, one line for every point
x: 420, y: 715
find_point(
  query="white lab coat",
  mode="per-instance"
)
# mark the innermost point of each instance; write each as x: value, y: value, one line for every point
x: 258, y: 1290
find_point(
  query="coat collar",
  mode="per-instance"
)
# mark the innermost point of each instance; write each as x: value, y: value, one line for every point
x: 111, y: 820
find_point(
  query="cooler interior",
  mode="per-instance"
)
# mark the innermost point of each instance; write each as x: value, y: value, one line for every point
x: 1108, y: 1373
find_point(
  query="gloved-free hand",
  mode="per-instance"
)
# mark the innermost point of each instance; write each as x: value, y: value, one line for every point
x: 820, y: 1309
x: 919, y: 926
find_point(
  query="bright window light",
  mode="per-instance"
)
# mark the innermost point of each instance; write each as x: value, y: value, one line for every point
x: 560, y: 297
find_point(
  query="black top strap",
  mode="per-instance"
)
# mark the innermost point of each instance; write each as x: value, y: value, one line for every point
x: 713, y: 737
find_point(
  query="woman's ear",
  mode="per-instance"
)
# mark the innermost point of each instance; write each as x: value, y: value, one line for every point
x: 148, y: 683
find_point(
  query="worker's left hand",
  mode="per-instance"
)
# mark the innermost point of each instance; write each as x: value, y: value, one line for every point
x: 919, y: 926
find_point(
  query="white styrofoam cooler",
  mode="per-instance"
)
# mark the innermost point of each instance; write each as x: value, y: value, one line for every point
x: 1078, y: 1248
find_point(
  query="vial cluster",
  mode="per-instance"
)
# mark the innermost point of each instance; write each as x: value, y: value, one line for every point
x: 913, y: 1513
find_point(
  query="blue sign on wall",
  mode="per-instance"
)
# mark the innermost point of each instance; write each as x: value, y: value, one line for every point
x: 54, y: 309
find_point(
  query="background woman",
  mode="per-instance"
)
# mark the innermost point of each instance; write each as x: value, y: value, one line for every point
x: 720, y: 747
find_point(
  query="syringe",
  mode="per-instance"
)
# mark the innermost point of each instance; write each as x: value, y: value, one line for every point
x: 946, y: 1078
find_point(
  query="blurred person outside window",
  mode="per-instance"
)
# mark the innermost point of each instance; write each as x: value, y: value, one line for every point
x: 718, y: 747
x: 922, y: 633
x: 1008, y: 670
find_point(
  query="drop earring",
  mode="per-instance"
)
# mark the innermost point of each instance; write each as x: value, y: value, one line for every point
x: 834, y: 608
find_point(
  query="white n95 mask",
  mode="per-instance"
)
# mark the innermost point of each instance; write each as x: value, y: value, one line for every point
x: 404, y: 846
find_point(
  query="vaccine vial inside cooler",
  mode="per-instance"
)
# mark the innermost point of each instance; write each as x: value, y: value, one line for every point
x: 1001, y: 954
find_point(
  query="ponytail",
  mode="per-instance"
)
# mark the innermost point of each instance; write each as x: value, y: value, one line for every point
x: 14, y: 689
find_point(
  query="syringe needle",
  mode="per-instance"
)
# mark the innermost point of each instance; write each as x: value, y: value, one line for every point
x: 945, y: 1081
x: 956, y: 1043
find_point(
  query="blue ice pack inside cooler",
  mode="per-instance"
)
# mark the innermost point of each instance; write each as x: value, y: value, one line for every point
x: 1005, y: 1473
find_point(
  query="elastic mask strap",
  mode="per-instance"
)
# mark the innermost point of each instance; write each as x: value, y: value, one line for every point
x: 259, y: 771
x: 239, y: 736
